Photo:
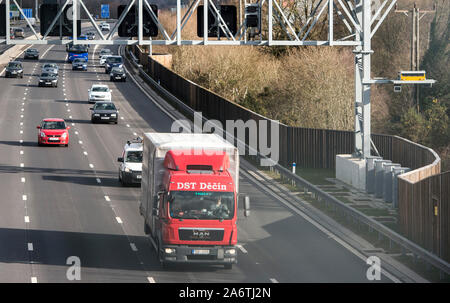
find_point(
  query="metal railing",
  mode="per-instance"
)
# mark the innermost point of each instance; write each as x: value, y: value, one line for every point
x: 318, y: 194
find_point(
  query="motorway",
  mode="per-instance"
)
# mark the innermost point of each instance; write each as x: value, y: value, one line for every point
x: 58, y: 202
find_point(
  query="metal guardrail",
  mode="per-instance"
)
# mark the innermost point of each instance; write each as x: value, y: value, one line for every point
x: 318, y: 194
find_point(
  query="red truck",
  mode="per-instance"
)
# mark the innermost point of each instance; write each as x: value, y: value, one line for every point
x: 189, y: 195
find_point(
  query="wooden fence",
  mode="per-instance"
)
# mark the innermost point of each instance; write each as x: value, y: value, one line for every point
x: 419, y: 190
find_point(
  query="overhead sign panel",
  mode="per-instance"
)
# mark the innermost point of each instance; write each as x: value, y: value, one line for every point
x: 104, y: 11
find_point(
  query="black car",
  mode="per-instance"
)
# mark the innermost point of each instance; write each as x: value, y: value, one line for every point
x: 48, y: 79
x: 118, y: 73
x: 113, y: 61
x: 90, y: 35
x: 31, y: 53
x: 104, y: 112
x: 14, y: 69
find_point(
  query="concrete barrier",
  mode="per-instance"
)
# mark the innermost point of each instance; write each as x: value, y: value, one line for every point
x: 370, y: 173
x: 379, y: 174
x: 351, y: 170
x: 396, y: 172
x: 387, y: 179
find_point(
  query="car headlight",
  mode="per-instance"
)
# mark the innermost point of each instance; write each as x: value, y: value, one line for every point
x: 54, y: 80
x: 113, y: 115
x: 64, y: 135
x: 41, y: 80
x: 42, y: 134
x: 170, y: 250
x: 231, y: 251
x: 96, y: 115
x: 108, y: 65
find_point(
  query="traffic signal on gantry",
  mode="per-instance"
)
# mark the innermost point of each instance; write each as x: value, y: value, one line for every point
x: 48, y: 13
x: 229, y: 16
x: 129, y: 26
x: 2, y: 19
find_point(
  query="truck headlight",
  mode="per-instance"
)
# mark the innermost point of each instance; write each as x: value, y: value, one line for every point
x: 231, y: 251
x: 170, y: 250
x: 127, y: 170
x: 121, y: 65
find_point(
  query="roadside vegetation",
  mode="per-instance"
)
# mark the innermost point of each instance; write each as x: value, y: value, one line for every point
x: 313, y: 87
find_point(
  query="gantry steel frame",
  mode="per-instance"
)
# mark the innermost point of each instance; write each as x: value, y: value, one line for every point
x: 356, y: 15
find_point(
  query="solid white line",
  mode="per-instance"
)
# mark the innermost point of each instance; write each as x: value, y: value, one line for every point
x: 107, y: 199
x: 27, y: 219
x: 273, y: 280
x: 151, y: 280
x: 133, y: 247
x: 24, y: 197
x: 30, y: 246
x: 34, y: 280
x: 242, y: 248
x: 119, y: 220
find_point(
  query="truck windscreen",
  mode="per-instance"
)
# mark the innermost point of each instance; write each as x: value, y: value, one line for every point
x: 201, y: 205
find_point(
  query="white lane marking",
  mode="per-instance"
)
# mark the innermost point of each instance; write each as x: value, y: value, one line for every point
x: 80, y: 142
x: 133, y: 247
x: 273, y: 280
x: 91, y: 165
x: 27, y: 219
x: 67, y: 104
x: 107, y: 198
x: 24, y: 197
x: 21, y: 132
x: 128, y: 125
x: 76, y: 133
x: 68, y: 110
x: 21, y: 152
x: 21, y: 116
x: 119, y: 220
x: 22, y: 109
x: 99, y: 181
x: 73, y: 124
x: 21, y: 141
x: 34, y: 280
x: 70, y: 117
x: 30, y: 246
x: 21, y: 165
x: 22, y: 180
x: 21, y: 123
x: 85, y: 153
x: 241, y: 248
x: 151, y: 280
x: 134, y: 134
x: 121, y: 118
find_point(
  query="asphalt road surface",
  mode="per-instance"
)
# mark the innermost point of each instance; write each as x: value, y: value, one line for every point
x: 58, y: 202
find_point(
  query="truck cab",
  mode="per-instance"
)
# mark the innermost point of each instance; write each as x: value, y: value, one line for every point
x: 130, y: 168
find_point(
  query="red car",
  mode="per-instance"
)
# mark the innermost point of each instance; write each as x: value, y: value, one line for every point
x: 54, y: 132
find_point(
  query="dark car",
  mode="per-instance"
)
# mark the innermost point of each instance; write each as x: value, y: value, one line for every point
x: 118, y: 73
x: 14, y: 69
x: 104, y: 112
x: 31, y: 53
x: 48, y: 79
x: 113, y: 61
x: 90, y: 35
x: 79, y: 63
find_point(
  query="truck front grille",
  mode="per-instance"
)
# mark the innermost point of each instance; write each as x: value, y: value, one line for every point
x: 192, y: 234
